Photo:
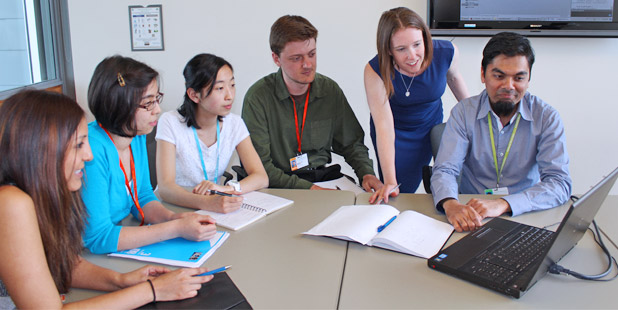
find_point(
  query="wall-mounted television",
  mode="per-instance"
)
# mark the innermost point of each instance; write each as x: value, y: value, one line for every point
x: 554, y: 18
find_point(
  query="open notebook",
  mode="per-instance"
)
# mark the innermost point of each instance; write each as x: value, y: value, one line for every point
x: 407, y: 232
x: 255, y: 206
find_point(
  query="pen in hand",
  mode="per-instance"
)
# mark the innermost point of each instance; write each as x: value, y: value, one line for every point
x: 214, y: 192
x: 389, y: 193
x: 220, y: 269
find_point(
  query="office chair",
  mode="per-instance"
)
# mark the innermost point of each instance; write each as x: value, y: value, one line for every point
x: 435, y: 135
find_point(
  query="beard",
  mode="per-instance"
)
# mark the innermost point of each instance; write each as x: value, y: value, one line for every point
x: 503, y: 107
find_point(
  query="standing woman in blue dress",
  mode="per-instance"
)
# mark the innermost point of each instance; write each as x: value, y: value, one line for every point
x: 404, y: 84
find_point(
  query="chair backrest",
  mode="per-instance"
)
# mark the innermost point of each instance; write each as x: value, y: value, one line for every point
x: 435, y: 135
x: 151, y: 148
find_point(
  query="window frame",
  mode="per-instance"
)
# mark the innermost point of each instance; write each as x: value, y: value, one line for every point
x: 63, y: 59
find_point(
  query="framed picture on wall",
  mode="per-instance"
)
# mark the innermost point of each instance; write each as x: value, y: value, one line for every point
x: 146, y: 23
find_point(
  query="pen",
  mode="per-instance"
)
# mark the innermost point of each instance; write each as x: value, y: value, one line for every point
x: 220, y: 269
x: 381, y: 227
x: 214, y: 192
x: 389, y: 193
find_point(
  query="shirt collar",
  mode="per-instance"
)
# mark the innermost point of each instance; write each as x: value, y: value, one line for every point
x: 282, y: 93
x: 523, y: 108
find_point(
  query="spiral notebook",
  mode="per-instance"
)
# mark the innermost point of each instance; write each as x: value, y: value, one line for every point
x: 255, y: 206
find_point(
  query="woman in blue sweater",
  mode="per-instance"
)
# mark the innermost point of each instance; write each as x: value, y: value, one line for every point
x: 124, y: 98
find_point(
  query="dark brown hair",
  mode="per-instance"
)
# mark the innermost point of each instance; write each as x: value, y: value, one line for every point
x: 115, y: 92
x: 200, y: 74
x: 36, y: 128
x: 290, y: 28
x: 509, y: 44
x: 392, y: 21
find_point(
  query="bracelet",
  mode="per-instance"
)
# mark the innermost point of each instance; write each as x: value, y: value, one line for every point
x: 154, y: 295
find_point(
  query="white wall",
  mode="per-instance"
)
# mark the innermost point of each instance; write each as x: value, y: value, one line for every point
x: 575, y: 75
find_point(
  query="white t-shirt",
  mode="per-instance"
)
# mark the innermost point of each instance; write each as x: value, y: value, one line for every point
x: 172, y: 129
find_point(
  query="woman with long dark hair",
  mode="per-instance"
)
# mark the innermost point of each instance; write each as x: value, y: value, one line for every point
x: 44, y: 146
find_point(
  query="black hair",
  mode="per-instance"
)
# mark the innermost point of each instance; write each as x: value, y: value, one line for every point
x: 509, y: 44
x: 200, y: 73
x: 115, y: 92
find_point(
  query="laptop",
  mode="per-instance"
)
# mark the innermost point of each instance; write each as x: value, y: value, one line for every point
x: 511, y: 257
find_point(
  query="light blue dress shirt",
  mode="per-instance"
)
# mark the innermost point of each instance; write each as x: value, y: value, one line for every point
x: 536, y: 172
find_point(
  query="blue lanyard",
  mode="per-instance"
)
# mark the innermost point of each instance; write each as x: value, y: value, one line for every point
x: 199, y: 150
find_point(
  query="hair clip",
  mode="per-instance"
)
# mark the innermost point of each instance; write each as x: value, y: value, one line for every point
x: 121, y: 80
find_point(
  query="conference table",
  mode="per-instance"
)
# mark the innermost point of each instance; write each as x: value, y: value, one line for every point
x: 276, y: 267
x: 273, y: 265
x: 376, y: 278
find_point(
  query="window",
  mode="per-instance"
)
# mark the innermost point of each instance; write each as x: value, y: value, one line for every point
x: 34, y: 47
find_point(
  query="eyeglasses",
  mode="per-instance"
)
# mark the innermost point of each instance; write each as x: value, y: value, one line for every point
x: 149, y: 106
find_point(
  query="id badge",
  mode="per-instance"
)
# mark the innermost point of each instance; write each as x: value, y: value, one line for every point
x: 497, y: 191
x: 299, y: 161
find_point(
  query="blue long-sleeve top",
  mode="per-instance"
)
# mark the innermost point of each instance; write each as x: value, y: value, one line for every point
x: 536, y: 172
x: 105, y: 193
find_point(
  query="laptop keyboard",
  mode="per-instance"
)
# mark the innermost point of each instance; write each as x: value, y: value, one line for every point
x: 502, y: 263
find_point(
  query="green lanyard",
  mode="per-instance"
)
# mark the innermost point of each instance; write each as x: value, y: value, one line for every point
x: 493, y: 145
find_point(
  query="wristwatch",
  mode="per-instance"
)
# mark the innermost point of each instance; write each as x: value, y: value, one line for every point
x: 235, y: 185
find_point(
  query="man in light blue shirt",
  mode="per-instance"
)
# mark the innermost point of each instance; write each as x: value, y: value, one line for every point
x: 503, y: 141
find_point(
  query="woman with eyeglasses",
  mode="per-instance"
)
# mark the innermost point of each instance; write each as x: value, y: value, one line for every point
x: 195, y: 143
x: 44, y: 146
x: 124, y: 98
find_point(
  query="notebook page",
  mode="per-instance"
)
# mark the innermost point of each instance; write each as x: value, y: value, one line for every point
x: 414, y: 233
x: 268, y: 202
x: 343, y: 183
x: 357, y: 223
x: 234, y: 220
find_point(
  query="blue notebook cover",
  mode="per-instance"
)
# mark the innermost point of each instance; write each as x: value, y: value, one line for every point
x: 176, y: 252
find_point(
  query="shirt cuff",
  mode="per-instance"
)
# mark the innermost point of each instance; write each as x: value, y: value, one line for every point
x: 519, y: 204
x: 440, y: 205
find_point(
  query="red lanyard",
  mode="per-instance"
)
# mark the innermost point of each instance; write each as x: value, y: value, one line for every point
x: 299, y: 136
x: 126, y: 179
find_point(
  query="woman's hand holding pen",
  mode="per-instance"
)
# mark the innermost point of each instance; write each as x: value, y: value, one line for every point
x: 217, y: 198
x: 179, y: 284
x: 205, y: 187
x: 194, y: 226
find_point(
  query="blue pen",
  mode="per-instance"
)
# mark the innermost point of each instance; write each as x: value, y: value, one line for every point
x: 220, y: 269
x: 381, y: 227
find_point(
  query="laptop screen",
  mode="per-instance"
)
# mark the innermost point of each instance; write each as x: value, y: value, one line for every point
x: 576, y: 222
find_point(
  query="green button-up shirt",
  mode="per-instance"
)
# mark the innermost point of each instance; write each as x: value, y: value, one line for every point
x: 330, y: 126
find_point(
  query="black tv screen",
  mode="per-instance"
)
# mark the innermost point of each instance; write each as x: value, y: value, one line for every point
x: 575, y: 18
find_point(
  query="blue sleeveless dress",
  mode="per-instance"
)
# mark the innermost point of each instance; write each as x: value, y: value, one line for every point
x: 414, y: 116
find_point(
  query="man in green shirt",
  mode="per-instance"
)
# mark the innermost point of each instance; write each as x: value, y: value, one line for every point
x: 296, y: 116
